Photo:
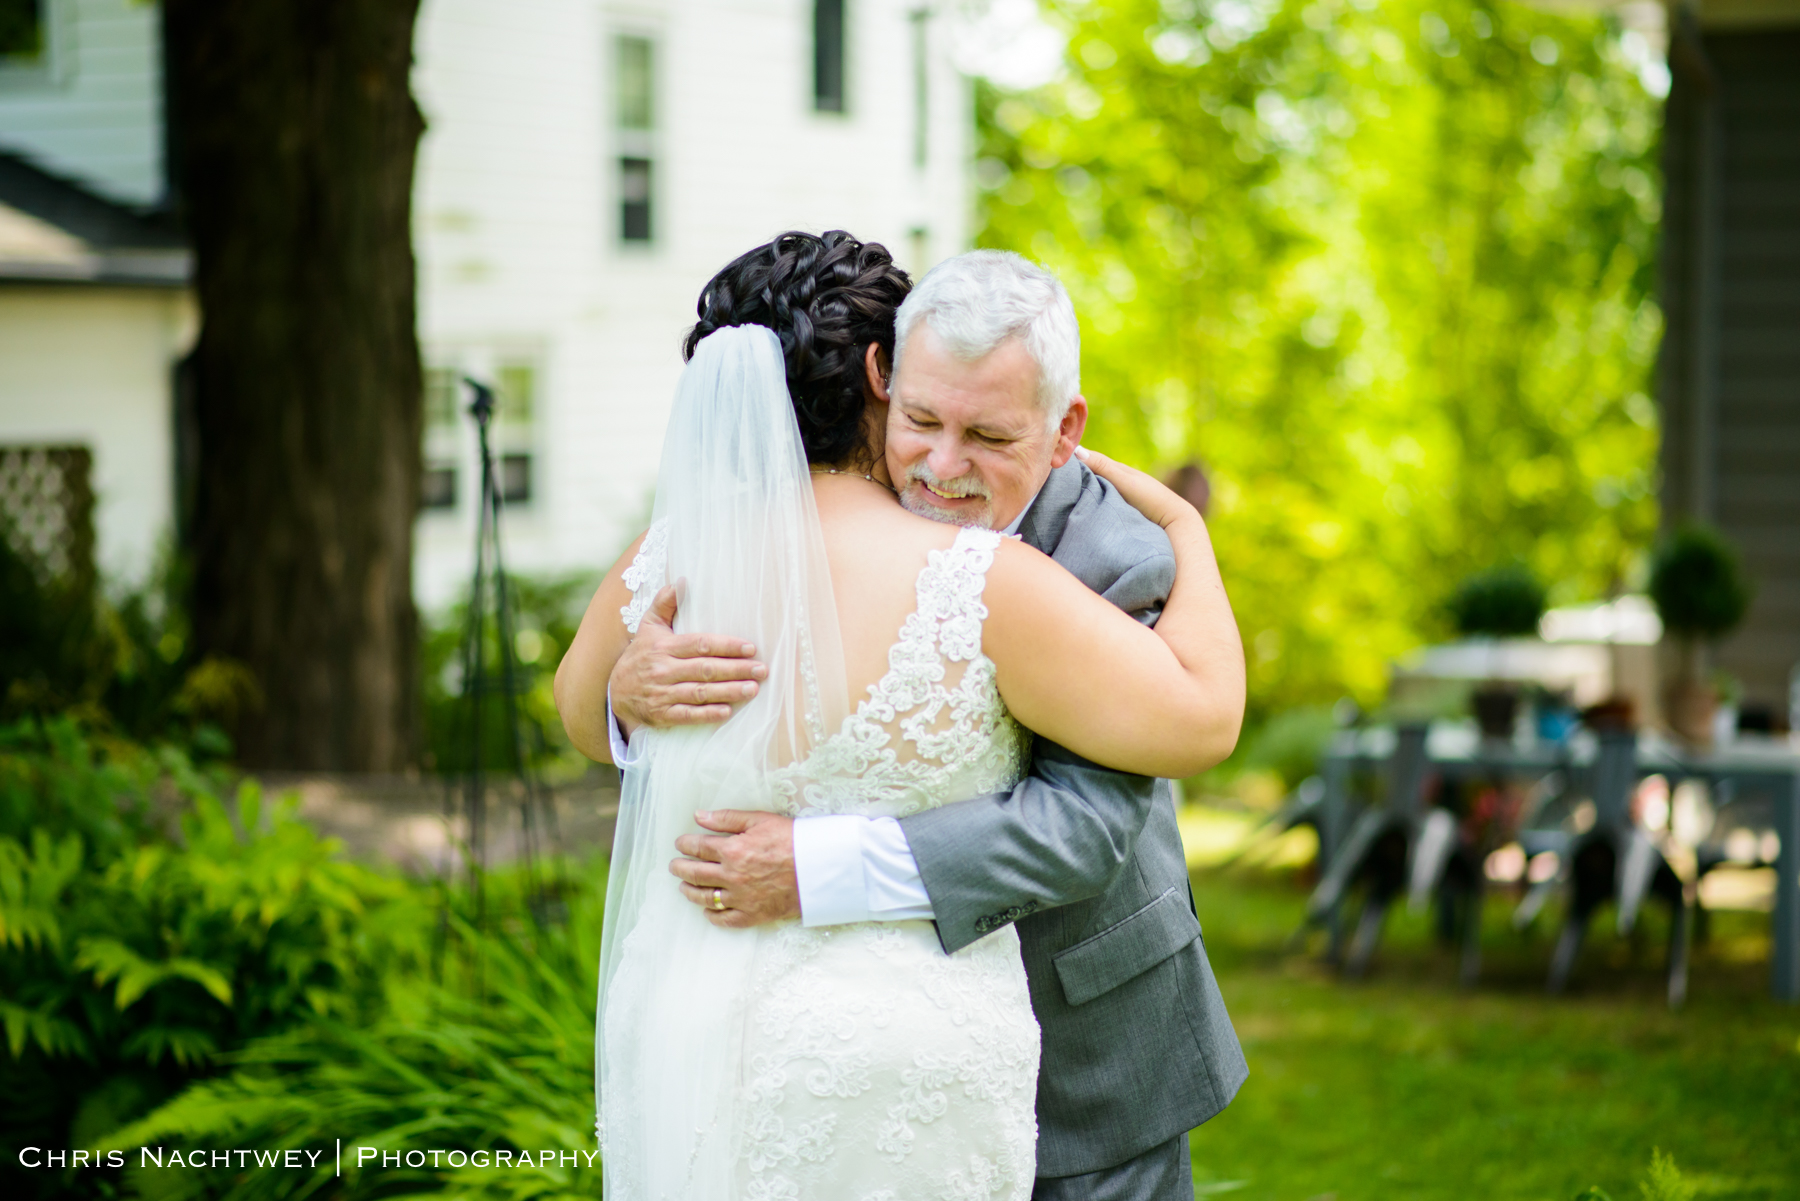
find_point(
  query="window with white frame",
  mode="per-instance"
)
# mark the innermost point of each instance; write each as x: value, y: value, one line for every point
x: 514, y: 431
x: 33, y: 40
x: 451, y: 452
x: 921, y: 85
x: 24, y: 32
x: 442, y: 451
x: 828, y: 56
x: 634, y: 64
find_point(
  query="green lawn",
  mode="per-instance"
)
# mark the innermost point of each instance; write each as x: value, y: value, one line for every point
x: 1404, y: 1086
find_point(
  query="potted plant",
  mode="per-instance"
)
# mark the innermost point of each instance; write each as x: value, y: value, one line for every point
x: 1504, y: 602
x: 1701, y: 594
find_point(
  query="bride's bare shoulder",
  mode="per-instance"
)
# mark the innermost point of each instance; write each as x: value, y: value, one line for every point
x: 884, y: 527
x: 1026, y: 584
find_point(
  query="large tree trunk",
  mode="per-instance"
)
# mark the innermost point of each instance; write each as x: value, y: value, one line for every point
x: 293, y: 133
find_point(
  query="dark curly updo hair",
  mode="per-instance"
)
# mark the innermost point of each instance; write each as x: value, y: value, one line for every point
x: 826, y: 296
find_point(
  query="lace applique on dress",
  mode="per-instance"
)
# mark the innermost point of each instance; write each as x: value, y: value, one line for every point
x: 952, y: 737
x: 645, y: 575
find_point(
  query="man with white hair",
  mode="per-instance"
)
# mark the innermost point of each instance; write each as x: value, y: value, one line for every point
x: 984, y: 418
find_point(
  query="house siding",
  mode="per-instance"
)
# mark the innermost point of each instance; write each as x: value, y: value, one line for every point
x: 95, y: 116
x: 1730, y: 373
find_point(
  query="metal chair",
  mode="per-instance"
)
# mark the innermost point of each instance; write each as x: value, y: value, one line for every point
x: 1616, y: 860
x: 1389, y: 848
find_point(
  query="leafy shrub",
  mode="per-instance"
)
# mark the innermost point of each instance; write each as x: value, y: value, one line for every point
x: 1697, y: 585
x: 497, y: 1055
x: 1505, y: 602
x: 46, y: 634
x: 124, y: 662
x: 131, y: 957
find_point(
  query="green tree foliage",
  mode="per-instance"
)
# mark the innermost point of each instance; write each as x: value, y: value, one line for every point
x: 1384, y: 268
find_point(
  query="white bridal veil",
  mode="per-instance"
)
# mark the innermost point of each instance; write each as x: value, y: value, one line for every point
x: 736, y: 529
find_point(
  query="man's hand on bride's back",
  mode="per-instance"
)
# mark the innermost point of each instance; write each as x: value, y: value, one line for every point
x: 670, y: 679
x: 742, y: 874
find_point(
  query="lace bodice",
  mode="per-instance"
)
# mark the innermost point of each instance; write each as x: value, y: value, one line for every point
x: 874, y: 1067
x: 931, y: 730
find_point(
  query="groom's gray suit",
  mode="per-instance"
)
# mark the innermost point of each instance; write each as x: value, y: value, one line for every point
x: 1137, y: 1047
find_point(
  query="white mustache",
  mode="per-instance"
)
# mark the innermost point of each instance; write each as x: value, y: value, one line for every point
x: 962, y: 486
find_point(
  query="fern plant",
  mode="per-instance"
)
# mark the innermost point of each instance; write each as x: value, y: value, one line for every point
x: 139, y: 941
x: 497, y: 1055
x: 1664, y: 1182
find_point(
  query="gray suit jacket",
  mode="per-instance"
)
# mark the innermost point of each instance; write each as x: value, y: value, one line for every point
x: 1137, y: 1047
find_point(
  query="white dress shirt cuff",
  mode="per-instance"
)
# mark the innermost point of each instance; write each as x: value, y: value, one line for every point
x: 851, y: 868
x: 615, y: 736
x: 828, y: 869
x: 891, y: 875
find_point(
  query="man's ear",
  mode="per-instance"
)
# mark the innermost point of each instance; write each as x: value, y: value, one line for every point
x: 1068, y: 434
x: 878, y: 370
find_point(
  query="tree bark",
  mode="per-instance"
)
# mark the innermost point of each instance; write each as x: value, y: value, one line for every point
x: 293, y: 135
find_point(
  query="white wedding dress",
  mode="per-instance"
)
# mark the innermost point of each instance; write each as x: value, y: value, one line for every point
x: 843, y: 1063
x: 879, y: 1068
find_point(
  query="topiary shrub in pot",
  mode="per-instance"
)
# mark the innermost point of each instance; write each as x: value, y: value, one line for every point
x: 1701, y: 594
x: 1503, y: 602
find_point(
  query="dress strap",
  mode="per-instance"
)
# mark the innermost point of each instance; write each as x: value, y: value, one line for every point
x: 949, y: 592
x: 647, y: 574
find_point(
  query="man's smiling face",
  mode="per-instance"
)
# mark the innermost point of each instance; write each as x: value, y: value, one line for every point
x: 967, y: 441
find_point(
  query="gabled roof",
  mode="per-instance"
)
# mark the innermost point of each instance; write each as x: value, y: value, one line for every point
x: 53, y: 230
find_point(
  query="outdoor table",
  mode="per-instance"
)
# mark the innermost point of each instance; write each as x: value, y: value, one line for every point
x: 1774, y: 765
x: 1456, y: 753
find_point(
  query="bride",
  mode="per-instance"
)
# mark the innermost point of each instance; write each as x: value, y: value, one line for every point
x: 908, y: 664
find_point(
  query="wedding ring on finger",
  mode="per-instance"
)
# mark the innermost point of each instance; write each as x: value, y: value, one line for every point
x: 718, y: 900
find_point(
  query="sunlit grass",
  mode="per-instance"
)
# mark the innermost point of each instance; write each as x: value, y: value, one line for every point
x: 1405, y: 1086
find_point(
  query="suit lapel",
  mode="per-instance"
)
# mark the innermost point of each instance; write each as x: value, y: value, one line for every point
x: 1049, y: 513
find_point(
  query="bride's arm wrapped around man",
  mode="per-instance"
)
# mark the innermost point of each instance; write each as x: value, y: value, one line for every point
x: 1165, y: 702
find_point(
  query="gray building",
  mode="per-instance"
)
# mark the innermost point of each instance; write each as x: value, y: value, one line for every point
x: 1729, y: 376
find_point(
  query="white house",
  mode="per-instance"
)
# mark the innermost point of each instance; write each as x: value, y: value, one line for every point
x: 94, y: 312
x: 588, y: 165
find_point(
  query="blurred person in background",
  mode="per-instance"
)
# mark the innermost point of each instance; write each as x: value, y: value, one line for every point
x: 909, y: 903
